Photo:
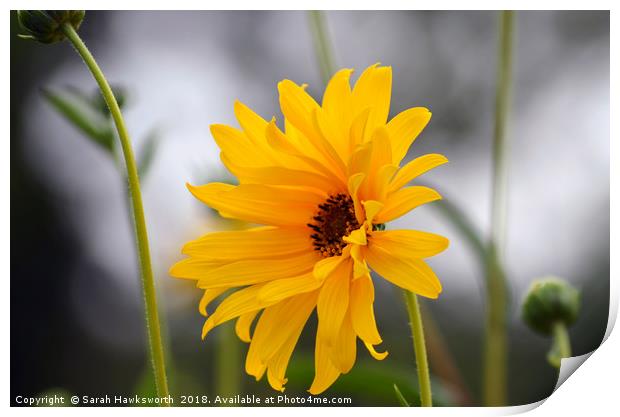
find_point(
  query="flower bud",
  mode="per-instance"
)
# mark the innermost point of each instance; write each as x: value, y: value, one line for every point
x: 46, y: 25
x: 550, y: 300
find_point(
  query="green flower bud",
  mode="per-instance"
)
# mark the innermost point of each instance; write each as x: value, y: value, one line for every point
x: 45, y: 25
x: 550, y: 300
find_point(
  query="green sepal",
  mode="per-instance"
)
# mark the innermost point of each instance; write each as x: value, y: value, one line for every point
x: 45, y: 26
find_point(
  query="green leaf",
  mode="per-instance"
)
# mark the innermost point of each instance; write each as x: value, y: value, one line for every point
x: 82, y: 114
x: 147, y: 153
x: 400, y: 397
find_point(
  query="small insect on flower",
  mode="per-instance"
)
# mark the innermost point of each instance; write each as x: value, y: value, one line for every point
x: 323, y: 190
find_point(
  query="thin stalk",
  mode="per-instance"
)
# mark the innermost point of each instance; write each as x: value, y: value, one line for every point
x: 322, y: 44
x: 561, y: 345
x: 497, y: 293
x: 560, y: 334
x: 419, y: 346
x: 228, y: 361
x: 148, y: 285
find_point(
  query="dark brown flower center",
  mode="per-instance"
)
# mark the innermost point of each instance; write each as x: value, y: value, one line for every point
x: 334, y: 220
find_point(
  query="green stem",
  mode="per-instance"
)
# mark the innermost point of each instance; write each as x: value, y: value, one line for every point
x: 228, y: 361
x: 500, y: 142
x: 561, y: 344
x: 495, y: 336
x: 148, y: 285
x: 497, y: 293
x: 321, y: 44
x: 419, y: 346
x: 560, y: 333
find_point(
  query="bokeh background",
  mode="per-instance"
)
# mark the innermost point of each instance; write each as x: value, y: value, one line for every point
x: 76, y: 307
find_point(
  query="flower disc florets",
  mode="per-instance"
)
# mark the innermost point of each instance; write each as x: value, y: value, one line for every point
x: 334, y: 220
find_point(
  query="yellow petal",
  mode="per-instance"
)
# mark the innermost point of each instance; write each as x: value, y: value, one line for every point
x: 416, y: 168
x: 381, y: 148
x: 357, y: 132
x: 293, y: 314
x: 409, y: 243
x: 208, y: 297
x: 246, y: 272
x: 374, y: 158
x: 256, y: 243
x: 378, y: 356
x: 359, y: 263
x: 297, y: 151
x: 252, y: 124
x: 360, y: 159
x: 292, y: 133
x: 192, y: 269
x: 297, y: 107
x: 333, y: 302
x: 357, y: 236
x: 373, y: 90
x: 244, y: 322
x: 277, y: 369
x: 338, y: 93
x: 325, y: 140
x: 280, y: 289
x: 344, y: 351
x: 237, y: 146
x: 261, y: 204
x: 300, y: 308
x: 378, y: 187
x: 404, y: 128
x: 276, y: 175
x: 253, y: 364
x: 362, y: 312
x: 411, y: 274
x: 371, y: 208
x: 325, y: 371
x: 238, y: 303
x: 337, y: 110
x: 405, y: 200
x: 185, y: 268
x: 326, y: 266
x: 301, y: 111
x: 270, y: 319
x: 355, y: 181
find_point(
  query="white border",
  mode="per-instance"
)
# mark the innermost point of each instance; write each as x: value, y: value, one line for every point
x: 592, y: 390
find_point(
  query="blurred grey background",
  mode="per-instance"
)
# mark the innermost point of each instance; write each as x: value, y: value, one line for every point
x: 76, y: 313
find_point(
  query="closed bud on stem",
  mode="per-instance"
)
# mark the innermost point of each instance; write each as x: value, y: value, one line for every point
x: 549, y: 301
x: 45, y: 26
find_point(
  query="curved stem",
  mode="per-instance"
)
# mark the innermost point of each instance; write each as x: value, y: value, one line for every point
x: 497, y: 293
x: 148, y: 285
x: 419, y: 345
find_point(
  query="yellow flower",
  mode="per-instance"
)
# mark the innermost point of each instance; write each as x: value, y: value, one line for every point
x: 323, y: 189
